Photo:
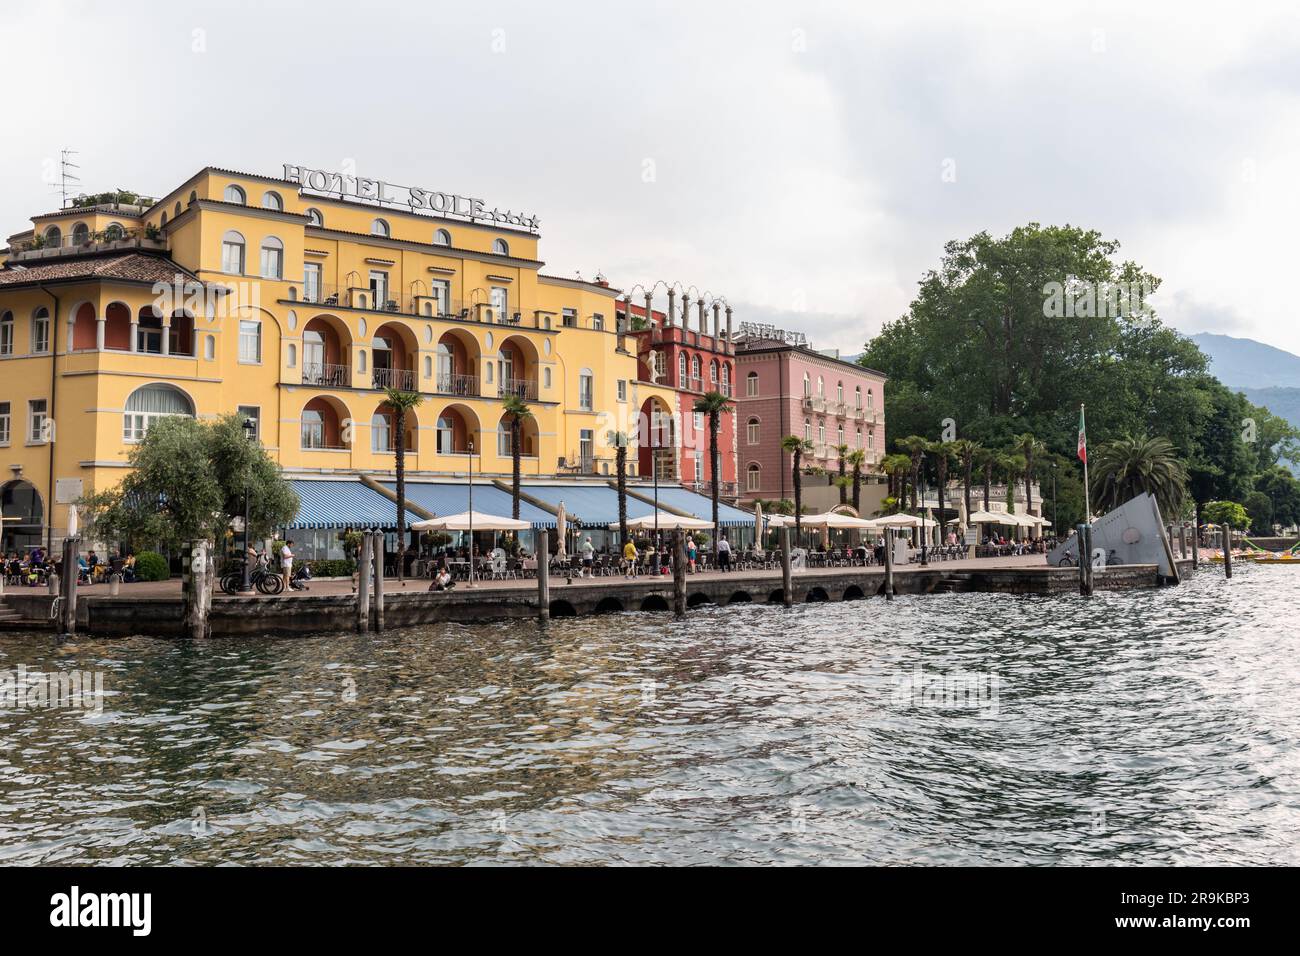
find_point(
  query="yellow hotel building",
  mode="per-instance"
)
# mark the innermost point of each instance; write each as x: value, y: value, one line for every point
x: 302, y: 306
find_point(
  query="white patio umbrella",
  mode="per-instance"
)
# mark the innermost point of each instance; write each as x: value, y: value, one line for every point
x: 666, y: 521
x: 467, y: 519
x: 758, y: 526
x: 561, y: 532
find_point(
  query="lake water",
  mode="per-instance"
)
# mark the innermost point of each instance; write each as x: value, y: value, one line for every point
x: 1151, y: 727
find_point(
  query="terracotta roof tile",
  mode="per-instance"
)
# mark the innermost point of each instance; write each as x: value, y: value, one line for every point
x: 133, y: 267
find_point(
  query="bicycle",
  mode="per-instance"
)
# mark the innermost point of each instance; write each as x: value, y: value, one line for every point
x: 232, y: 579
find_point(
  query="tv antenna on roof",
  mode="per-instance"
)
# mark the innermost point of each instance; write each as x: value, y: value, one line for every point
x: 66, y: 177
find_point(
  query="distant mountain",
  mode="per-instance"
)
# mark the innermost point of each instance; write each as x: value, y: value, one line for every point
x: 1247, y: 364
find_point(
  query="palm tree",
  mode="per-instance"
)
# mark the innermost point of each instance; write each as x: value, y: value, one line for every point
x: 1012, y: 466
x: 842, y: 451
x: 857, y: 458
x: 714, y: 404
x: 1128, y: 466
x: 517, y: 410
x: 987, y: 459
x: 401, y: 402
x: 965, y: 451
x: 916, y: 447
x: 1029, y: 446
x: 943, y: 454
x: 795, y: 447
x: 896, y: 467
x: 619, y: 441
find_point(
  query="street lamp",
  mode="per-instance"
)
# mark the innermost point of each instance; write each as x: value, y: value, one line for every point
x: 250, y: 433
x: 471, y: 513
x: 1054, y: 531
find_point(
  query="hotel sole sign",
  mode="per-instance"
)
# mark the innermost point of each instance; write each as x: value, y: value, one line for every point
x: 383, y: 193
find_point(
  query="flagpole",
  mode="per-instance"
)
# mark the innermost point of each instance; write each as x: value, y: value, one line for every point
x: 1087, y: 497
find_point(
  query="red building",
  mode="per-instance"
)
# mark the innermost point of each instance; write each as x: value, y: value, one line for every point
x: 692, y: 355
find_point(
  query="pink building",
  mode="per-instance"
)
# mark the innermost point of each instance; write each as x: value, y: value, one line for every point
x: 783, y: 387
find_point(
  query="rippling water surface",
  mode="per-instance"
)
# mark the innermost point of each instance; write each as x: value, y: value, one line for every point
x: 1153, y: 727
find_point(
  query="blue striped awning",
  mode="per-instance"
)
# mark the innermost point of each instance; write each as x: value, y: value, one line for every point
x: 343, y: 504
x: 451, y: 498
x: 592, y: 506
x: 701, y: 506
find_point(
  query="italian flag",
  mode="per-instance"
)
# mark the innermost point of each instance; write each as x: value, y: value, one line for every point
x: 1083, y: 438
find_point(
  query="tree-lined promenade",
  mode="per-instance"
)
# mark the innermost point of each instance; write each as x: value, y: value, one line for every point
x: 1008, y: 337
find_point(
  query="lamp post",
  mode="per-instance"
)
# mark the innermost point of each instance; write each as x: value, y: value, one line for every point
x: 250, y: 432
x: 1054, y: 498
x: 471, y: 513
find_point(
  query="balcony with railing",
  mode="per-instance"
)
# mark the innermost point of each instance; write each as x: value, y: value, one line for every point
x: 814, y: 403
x: 326, y: 375
x: 726, y: 489
x: 417, y: 303
x: 402, y: 379
x: 582, y: 464
x: 453, y: 383
x: 80, y: 243
x: 522, y: 388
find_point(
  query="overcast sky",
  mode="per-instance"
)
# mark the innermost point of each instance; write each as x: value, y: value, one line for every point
x: 791, y: 157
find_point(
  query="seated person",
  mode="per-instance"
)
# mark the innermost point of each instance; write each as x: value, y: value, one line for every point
x: 442, y: 580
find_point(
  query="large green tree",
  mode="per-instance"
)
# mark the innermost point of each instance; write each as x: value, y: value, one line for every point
x: 187, y: 482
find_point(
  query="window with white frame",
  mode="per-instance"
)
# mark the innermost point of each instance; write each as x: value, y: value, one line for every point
x: 272, y: 200
x: 857, y: 396
x: 251, y: 413
x: 839, y: 392
x: 37, y: 409
x: 7, y: 334
x: 821, y: 387
x: 807, y: 430
x: 505, y: 447
x: 250, y: 341
x: 807, y: 385
x: 236, y: 195
x: 698, y: 422
x: 380, y: 228
x: 272, y: 258
x: 871, y: 399
x: 147, y: 404
x: 751, y: 384
x: 839, y: 435
x: 753, y: 477
x: 41, y: 331
x: 500, y: 247
x: 821, y: 433
x: 681, y: 370
x: 442, y: 238
x: 315, y: 218
x: 501, y: 303
x: 232, y: 253
x: 751, y: 431
x: 622, y: 389
x: 378, y: 288
x: 598, y: 322
x: 586, y: 390
x: 440, y: 290
x: 4, y: 423
x: 871, y: 440
x: 698, y: 456
x: 311, y: 282
x: 381, y: 433
x: 569, y: 318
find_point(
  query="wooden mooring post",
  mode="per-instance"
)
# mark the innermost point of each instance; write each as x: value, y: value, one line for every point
x: 543, y: 575
x: 1083, y: 537
x: 363, y: 585
x: 68, y: 589
x: 679, y: 574
x: 787, y: 586
x: 1227, y: 550
x: 889, y: 564
x: 378, y: 555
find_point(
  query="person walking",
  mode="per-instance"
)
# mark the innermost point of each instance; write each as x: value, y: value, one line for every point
x: 724, y: 554
x: 286, y: 563
x: 691, y: 552
x: 629, y: 559
x: 588, y: 557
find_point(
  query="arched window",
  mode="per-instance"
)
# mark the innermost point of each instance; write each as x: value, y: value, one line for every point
x: 315, y: 218
x: 807, y: 385
x: 500, y: 247
x: 194, y: 196
x: 726, y: 379
x: 713, y: 375
x: 751, y: 384
x: 176, y: 210
x: 232, y: 253
x: 151, y: 402
x: 236, y: 195
x: 681, y: 370
x: 695, y: 370
x: 272, y: 258
x: 380, y: 228
x: 857, y: 396
x: 871, y: 399
x: 821, y: 387
x: 381, y: 432
x: 839, y: 392
x: 839, y: 435
x: 751, y: 431
x: 80, y: 234
x: 753, y: 477
x: 442, y: 238
x: 446, y: 435
x: 313, y: 428
x: 114, y: 232
x: 807, y: 430
x: 163, y: 221
x: 53, y: 237
x: 272, y: 200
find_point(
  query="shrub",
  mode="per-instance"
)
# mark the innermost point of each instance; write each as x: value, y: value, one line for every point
x: 151, y: 566
x: 332, y: 568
